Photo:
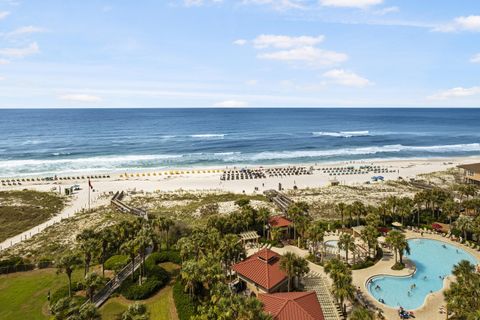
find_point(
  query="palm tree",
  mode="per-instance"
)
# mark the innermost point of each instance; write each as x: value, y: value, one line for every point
x: 287, y: 264
x: 92, y: 282
x: 106, y: 238
x: 361, y: 314
x: 405, y: 208
x: 293, y: 213
x: 359, y: 210
x: 294, y: 266
x: 464, y: 223
x: 66, y: 265
x: 274, y: 233
x: 88, y: 311
x: 129, y: 248
x: 462, y: 296
x: 88, y: 245
x: 341, y: 208
x: 450, y: 209
x: 346, y: 242
x: 143, y: 240
x: 264, y: 214
x: 315, y: 235
x: 136, y: 311
x: 399, y: 243
x: 231, y: 251
x: 341, y: 276
x: 370, y: 237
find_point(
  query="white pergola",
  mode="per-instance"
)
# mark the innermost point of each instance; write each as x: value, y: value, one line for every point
x: 249, y: 236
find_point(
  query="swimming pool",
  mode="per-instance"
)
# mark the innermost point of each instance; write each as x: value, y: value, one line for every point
x: 433, y: 259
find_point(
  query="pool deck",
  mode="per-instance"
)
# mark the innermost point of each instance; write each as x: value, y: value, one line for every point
x: 430, y: 309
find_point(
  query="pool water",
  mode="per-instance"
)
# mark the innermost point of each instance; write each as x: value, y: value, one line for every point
x: 332, y: 243
x: 433, y: 259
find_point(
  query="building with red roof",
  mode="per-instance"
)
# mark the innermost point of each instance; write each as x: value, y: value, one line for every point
x: 292, y: 305
x: 281, y: 223
x: 261, y: 272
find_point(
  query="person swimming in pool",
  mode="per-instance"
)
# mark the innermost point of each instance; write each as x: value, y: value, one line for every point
x: 425, y: 278
x: 413, y: 286
x: 444, y: 246
x: 377, y: 287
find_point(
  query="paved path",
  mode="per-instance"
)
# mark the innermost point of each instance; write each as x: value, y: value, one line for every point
x: 79, y: 201
x: 430, y: 310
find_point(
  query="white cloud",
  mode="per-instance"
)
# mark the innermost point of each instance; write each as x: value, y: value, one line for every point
x: 346, y: 78
x: 231, y: 104
x: 350, y: 3
x: 387, y: 10
x: 2, y: 78
x: 309, y: 55
x: 240, y: 42
x: 20, y: 52
x: 251, y: 82
x: 80, y: 98
x: 475, y: 58
x: 198, y: 3
x: 4, y: 14
x: 458, y: 92
x: 278, y: 4
x: 4, y: 61
x: 466, y: 23
x: 285, y: 42
x: 25, y: 30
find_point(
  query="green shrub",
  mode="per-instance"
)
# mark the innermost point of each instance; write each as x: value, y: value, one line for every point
x: 134, y: 291
x: 62, y: 292
x: 157, y: 278
x: 45, y: 263
x: 185, y: 306
x: 398, y: 266
x: 363, y: 264
x: 165, y: 256
x: 15, y: 264
x: 116, y: 263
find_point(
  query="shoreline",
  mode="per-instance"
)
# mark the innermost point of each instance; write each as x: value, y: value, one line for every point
x: 118, y: 172
x: 208, y: 180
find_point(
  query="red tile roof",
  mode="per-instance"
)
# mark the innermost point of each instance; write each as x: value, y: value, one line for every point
x: 279, y: 221
x: 262, y: 268
x: 292, y: 305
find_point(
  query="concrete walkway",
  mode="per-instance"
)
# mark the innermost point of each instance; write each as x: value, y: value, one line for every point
x: 430, y: 309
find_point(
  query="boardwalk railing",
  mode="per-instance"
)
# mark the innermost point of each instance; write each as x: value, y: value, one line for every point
x: 281, y: 200
x: 120, y: 205
x: 103, y: 294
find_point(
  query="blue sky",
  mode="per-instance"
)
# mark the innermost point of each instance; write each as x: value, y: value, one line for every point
x: 239, y: 53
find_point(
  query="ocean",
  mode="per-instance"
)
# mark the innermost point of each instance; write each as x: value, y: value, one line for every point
x: 51, y: 141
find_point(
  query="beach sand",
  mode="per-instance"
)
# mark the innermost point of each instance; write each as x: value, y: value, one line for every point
x: 207, y: 180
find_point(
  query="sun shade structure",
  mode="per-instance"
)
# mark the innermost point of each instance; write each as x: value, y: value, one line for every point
x: 292, y: 305
x: 397, y: 224
x: 279, y: 222
x: 262, y: 271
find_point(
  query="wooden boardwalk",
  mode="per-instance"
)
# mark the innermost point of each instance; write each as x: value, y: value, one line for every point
x: 101, y: 296
x: 280, y: 199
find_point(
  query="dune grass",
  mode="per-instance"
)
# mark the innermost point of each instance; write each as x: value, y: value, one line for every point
x: 22, y: 210
x: 23, y: 295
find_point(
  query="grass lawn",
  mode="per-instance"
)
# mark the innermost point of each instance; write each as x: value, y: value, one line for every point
x: 160, y: 306
x: 23, y: 295
x: 22, y: 210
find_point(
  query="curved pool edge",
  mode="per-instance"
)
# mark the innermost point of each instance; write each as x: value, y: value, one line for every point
x: 446, y: 281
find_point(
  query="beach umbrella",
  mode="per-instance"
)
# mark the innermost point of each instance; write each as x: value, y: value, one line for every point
x: 436, y: 226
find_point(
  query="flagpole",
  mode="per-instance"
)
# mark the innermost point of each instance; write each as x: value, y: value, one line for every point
x: 89, y: 188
